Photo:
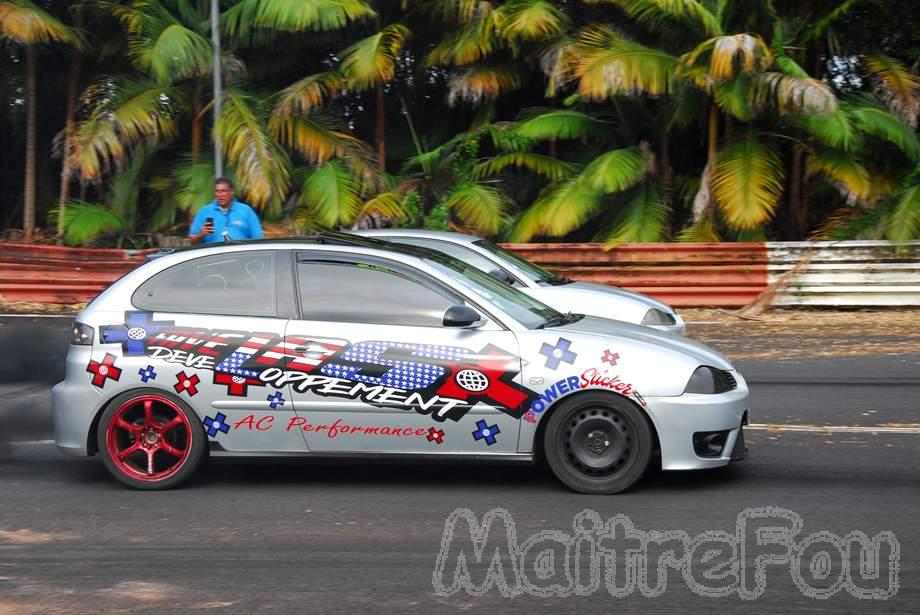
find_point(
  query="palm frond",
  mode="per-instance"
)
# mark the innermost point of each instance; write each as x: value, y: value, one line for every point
x: 124, y: 114
x: 308, y: 94
x: 478, y: 206
x: 390, y: 205
x: 373, y: 60
x: 27, y: 23
x: 546, y: 124
x: 531, y: 20
x: 471, y: 43
x: 83, y: 221
x: 851, y: 178
x: 897, y: 86
x: 558, y: 210
x: 608, y: 64
x: 474, y: 84
x: 787, y: 94
x: 703, y: 231
x: 316, y: 137
x: 261, y: 164
x: 173, y: 54
x: 879, y: 122
x: 661, y: 15
x: 747, y: 182
x: 727, y: 56
x: 558, y: 61
x: 642, y: 219
x: 332, y: 194
x: 904, y: 223
x: 835, y: 130
x: 305, y: 15
x: 616, y: 170
x: 541, y: 164
x: 821, y: 24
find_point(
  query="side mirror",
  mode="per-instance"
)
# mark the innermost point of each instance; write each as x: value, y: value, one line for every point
x: 502, y: 276
x: 461, y: 316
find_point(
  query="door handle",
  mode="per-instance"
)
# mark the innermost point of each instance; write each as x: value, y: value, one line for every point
x: 300, y: 349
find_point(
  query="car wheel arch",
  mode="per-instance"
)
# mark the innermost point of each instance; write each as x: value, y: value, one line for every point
x: 538, y: 451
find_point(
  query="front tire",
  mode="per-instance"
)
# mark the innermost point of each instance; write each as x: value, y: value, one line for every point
x: 151, y: 440
x: 598, y: 443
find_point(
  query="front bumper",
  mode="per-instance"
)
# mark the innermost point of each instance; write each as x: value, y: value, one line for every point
x: 676, y: 419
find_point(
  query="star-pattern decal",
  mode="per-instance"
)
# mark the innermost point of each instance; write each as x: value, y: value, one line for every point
x: 486, y: 432
x: 276, y: 400
x: 530, y: 416
x: 558, y: 353
x: 104, y: 370
x: 133, y: 335
x: 435, y: 435
x: 610, y: 357
x: 216, y: 425
x: 147, y: 373
x: 187, y: 384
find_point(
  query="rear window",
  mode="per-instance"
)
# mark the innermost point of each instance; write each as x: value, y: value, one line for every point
x: 232, y: 284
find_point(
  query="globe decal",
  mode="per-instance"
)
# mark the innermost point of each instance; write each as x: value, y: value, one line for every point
x: 137, y: 333
x: 238, y: 379
x: 472, y: 380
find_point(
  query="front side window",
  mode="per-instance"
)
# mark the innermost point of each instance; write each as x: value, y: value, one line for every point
x: 531, y: 270
x: 232, y: 284
x: 368, y: 293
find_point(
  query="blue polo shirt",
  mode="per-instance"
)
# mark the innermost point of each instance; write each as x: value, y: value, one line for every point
x: 239, y: 220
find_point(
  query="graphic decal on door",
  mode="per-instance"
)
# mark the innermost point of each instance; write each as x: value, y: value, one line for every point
x: 441, y: 381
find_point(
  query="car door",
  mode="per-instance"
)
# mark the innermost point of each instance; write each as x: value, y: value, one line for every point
x: 373, y: 368
x: 207, y: 322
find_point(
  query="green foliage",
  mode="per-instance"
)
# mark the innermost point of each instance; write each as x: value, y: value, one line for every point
x: 84, y: 221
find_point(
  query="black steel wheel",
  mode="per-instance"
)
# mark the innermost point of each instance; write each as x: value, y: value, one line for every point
x: 598, y: 443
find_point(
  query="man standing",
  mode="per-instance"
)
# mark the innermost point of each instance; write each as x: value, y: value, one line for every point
x: 224, y: 217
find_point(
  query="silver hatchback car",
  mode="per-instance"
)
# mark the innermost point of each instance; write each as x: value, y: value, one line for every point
x: 345, y: 346
x: 558, y: 292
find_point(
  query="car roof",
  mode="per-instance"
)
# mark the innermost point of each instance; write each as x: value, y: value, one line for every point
x: 421, y: 233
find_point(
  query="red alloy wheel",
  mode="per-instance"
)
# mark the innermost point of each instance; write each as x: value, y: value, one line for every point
x: 149, y: 438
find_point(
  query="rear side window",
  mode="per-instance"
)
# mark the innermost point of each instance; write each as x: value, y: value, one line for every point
x: 232, y: 284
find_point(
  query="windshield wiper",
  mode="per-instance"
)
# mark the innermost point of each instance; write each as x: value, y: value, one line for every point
x: 557, y: 280
x: 559, y: 320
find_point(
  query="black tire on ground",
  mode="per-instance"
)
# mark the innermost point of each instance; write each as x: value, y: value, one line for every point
x: 187, y: 437
x: 598, y: 443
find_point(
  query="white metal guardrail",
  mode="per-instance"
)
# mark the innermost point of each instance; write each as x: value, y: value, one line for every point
x: 847, y: 273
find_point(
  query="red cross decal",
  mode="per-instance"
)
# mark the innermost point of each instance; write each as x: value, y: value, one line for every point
x: 498, y: 367
x: 238, y: 386
x: 610, y: 357
x: 189, y: 384
x: 435, y: 435
x: 104, y: 371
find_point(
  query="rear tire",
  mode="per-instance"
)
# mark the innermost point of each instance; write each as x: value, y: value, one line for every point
x: 598, y: 443
x: 150, y: 440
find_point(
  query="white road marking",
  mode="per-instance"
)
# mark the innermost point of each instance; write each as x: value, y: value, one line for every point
x: 908, y: 429
x: 32, y: 442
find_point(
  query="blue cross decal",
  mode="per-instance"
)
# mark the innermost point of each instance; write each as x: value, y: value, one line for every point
x: 486, y: 432
x: 275, y: 400
x: 217, y: 424
x: 147, y: 373
x: 133, y: 335
x: 557, y: 353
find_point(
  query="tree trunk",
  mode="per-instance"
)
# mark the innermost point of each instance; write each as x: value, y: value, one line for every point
x: 73, y: 84
x: 381, y: 130
x: 798, y: 213
x: 196, y: 122
x: 28, y: 211
x: 702, y: 202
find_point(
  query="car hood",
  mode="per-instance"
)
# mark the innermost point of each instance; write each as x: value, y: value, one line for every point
x: 593, y: 325
x: 615, y: 291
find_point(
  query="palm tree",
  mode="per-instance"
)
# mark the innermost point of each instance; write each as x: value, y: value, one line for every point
x: 28, y: 25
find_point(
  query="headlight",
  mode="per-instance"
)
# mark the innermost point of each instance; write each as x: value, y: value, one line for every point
x: 710, y: 380
x: 81, y: 335
x: 657, y: 317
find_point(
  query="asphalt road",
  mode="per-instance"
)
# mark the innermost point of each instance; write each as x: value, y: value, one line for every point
x: 334, y: 537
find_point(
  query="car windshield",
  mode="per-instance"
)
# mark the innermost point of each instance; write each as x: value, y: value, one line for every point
x: 523, y: 308
x: 534, y: 272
